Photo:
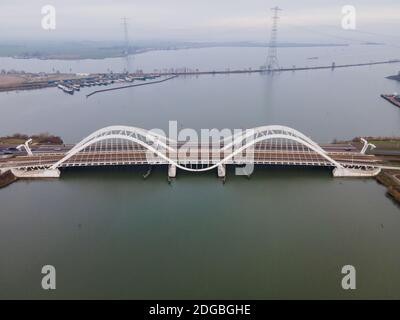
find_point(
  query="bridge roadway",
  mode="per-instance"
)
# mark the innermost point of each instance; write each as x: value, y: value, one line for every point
x: 46, y: 156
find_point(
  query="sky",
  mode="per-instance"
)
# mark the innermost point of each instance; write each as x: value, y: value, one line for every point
x: 200, y: 20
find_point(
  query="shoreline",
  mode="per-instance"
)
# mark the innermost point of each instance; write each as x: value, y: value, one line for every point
x: 79, y: 56
x: 30, y: 80
x: 7, y: 178
x: 391, y: 180
x: 43, y: 80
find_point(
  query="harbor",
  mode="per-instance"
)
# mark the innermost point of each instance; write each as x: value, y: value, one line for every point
x: 68, y: 83
x: 70, y: 86
x: 72, y: 82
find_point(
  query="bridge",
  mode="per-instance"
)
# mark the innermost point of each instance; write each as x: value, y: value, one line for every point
x: 124, y: 145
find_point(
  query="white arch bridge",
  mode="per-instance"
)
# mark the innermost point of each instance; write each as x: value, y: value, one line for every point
x: 124, y: 145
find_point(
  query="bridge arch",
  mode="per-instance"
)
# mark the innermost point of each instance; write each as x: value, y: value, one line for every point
x: 147, y: 139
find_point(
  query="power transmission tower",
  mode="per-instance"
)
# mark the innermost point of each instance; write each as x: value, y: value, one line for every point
x: 125, y: 24
x: 272, y: 58
x: 126, y: 51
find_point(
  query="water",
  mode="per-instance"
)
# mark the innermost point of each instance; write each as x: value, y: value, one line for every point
x: 323, y: 104
x: 218, y: 58
x: 285, y: 233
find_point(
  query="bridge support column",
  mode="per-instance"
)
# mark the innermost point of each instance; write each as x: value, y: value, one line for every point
x: 221, y: 171
x: 39, y: 173
x: 348, y: 172
x: 171, y: 171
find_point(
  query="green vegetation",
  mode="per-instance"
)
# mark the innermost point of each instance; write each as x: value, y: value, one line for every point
x: 42, y: 138
x: 389, y: 143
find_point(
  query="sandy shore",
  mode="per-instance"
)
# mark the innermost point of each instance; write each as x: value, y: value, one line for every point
x: 11, y: 80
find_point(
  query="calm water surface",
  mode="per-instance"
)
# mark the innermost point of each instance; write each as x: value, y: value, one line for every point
x: 284, y: 233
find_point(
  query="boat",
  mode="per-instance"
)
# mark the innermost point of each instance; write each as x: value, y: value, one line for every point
x: 66, y: 89
x: 147, y: 174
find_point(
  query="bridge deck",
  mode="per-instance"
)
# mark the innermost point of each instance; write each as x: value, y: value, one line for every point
x: 196, y: 156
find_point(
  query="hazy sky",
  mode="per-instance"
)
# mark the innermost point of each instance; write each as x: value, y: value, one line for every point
x: 200, y: 20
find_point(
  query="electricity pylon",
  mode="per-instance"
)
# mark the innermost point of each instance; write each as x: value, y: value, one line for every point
x: 272, y: 62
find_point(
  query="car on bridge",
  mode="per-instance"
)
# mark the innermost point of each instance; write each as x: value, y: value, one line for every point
x: 10, y: 150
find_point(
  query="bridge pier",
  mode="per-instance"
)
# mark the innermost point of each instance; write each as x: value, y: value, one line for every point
x: 171, y: 171
x: 348, y: 172
x: 39, y: 173
x: 221, y: 171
